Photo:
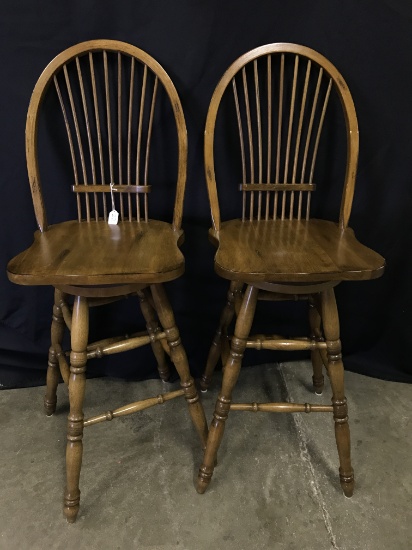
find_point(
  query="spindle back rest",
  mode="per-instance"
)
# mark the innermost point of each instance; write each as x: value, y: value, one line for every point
x: 108, y: 92
x: 280, y: 94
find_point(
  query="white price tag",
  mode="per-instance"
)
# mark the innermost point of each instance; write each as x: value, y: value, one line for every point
x: 113, y: 217
x: 114, y: 214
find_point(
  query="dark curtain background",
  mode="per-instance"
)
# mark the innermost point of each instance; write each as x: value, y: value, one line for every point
x: 370, y: 42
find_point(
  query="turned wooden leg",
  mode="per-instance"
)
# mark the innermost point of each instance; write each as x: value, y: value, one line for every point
x: 77, y: 383
x: 340, y: 408
x: 230, y: 376
x: 57, y: 330
x: 153, y: 328
x: 221, y: 334
x: 316, y: 334
x: 178, y: 356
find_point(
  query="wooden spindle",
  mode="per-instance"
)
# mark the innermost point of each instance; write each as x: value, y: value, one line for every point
x: 312, y: 116
x: 139, y: 138
x: 149, y: 137
x: 308, y: 138
x: 137, y: 406
x: 275, y: 205
x: 279, y: 139
x: 269, y: 157
x: 108, y: 115
x: 315, y: 149
x: 289, y: 136
x: 242, y: 146
x: 71, y: 145
x: 322, y: 118
x: 129, y: 136
x: 298, y: 138
x: 281, y: 407
x: 250, y: 136
x: 76, y: 124
x: 119, y: 128
x: 94, y: 179
x: 308, y: 206
x: 99, y: 136
x: 259, y: 130
x: 89, y: 137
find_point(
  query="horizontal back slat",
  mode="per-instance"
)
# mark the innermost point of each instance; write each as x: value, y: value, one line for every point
x: 102, y: 188
x: 268, y: 187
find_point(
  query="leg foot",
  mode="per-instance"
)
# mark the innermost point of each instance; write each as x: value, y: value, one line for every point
x: 347, y: 484
x: 203, y: 480
x: 71, y: 508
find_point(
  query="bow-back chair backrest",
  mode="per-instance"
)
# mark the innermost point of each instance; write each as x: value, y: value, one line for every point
x: 108, y: 92
x: 280, y: 94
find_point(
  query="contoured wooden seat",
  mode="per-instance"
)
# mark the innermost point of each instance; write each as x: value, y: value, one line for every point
x: 116, y: 101
x: 276, y: 251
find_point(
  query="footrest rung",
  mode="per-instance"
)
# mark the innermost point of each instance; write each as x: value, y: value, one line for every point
x: 280, y: 407
x: 276, y: 342
x: 133, y: 407
x: 126, y: 344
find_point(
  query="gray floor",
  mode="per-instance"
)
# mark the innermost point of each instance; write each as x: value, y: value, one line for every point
x: 275, y: 486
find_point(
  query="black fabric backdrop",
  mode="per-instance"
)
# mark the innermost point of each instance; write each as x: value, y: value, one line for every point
x: 370, y: 42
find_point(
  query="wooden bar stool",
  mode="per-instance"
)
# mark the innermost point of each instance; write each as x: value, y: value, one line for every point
x: 115, y: 101
x: 279, y: 96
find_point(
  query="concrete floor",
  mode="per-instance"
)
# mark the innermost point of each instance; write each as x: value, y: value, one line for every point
x: 276, y: 485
